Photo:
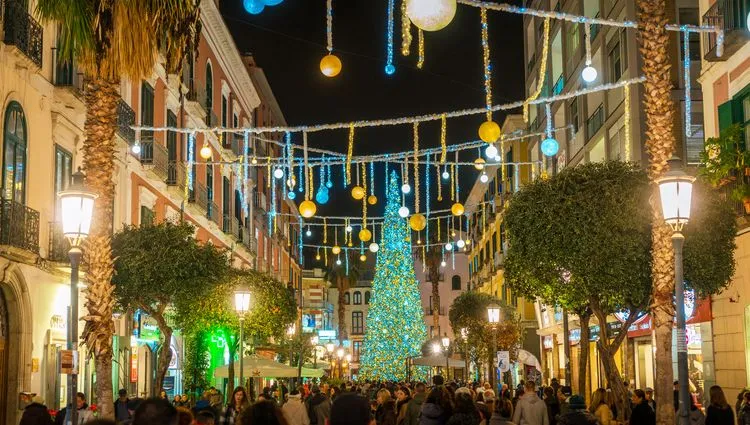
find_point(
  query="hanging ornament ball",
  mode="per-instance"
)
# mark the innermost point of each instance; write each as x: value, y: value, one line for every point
x: 278, y: 173
x: 272, y: 2
x: 365, y: 235
x: 446, y: 175
x: 348, y: 228
x: 321, y: 196
x: 336, y: 250
x: 550, y: 146
x: 431, y: 15
x: 457, y: 209
x: 307, y: 209
x: 390, y: 69
x: 338, y: 261
x: 460, y: 243
x: 417, y: 222
x: 308, y: 233
x: 372, y: 199
x: 330, y: 65
x: 317, y: 257
x: 205, y: 151
x: 406, y: 188
x: 329, y: 184
x: 374, y: 247
x: 491, y: 151
x: 291, y: 195
x: 484, y: 177
x: 479, y: 163
x: 358, y: 192
x: 254, y: 160
x: 448, y: 246
x: 589, y: 74
x: 403, y: 212
x: 254, y: 7
x: 363, y: 258
x: 442, y: 263
x: 291, y: 182
x: 489, y: 131
x: 136, y: 148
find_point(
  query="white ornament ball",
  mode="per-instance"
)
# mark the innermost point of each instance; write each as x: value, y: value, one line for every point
x: 589, y: 74
x: 403, y: 212
x: 431, y: 15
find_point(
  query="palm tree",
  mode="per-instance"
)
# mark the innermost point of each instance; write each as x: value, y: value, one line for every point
x: 111, y: 39
x: 338, y: 276
x: 660, y: 144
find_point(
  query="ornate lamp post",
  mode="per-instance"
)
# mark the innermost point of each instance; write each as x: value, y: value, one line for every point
x: 77, y: 212
x: 446, y: 343
x: 242, y: 306
x: 676, y: 193
x: 314, y: 342
x: 348, y: 358
x: 329, y: 349
x: 493, y: 317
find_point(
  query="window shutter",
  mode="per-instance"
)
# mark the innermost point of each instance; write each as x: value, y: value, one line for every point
x: 726, y: 117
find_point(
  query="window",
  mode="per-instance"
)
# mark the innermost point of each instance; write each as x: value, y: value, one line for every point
x: 736, y: 111
x: 63, y: 171
x: 456, y: 283
x: 689, y: 16
x: 356, y: 349
x: 224, y: 111
x: 573, y: 40
x: 346, y: 299
x: 14, y: 159
x: 147, y: 110
x: 147, y: 216
x: 226, y: 197
x: 614, y: 62
x: 367, y: 297
x: 358, y: 323
x: 357, y: 298
x: 574, y: 114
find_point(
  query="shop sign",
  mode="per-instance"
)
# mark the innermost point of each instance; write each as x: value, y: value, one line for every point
x: 173, y: 360
x: 326, y: 334
x: 547, y: 341
x: 593, y: 333
x: 68, y: 362
x: 575, y: 336
x: 503, y: 361
x: 693, y: 335
x: 134, y: 366
x: 149, y: 329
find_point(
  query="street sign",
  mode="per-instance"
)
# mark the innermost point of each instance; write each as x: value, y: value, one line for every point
x: 326, y: 334
x: 68, y: 360
x: 503, y: 361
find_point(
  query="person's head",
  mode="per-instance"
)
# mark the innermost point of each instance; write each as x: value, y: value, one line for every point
x: 577, y: 402
x: 184, y: 416
x: 717, y: 396
x: 420, y: 388
x: 383, y: 395
x: 315, y: 390
x: 485, y: 412
x: 205, y: 417
x: 162, y: 394
x: 549, y: 393
x: 239, y: 397
x: 504, y: 387
x: 638, y: 396
x: 438, y: 380
x: 155, y: 411
x: 402, y: 393
x: 504, y: 408
x: 263, y: 413
x: 676, y: 385
x: 598, y: 398
x: 746, y: 396
x: 564, y: 392
x: 649, y: 393
x: 80, y: 400
x: 439, y: 395
x: 464, y: 403
x: 351, y: 409
x: 529, y: 386
x: 123, y: 393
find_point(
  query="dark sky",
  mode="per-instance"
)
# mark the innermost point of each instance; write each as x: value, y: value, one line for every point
x: 288, y: 42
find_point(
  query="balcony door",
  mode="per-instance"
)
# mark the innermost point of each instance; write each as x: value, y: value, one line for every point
x: 14, y: 154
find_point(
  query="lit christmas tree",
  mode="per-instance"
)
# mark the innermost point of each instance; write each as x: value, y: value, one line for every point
x: 395, y: 328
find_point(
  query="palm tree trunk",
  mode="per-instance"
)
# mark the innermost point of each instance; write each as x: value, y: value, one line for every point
x: 342, y: 309
x: 101, y: 98
x: 435, y: 307
x: 660, y: 144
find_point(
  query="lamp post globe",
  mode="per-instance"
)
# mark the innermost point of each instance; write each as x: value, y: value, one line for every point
x: 493, y: 314
x: 676, y: 195
x: 329, y: 347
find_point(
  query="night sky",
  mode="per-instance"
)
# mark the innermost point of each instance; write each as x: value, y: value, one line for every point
x: 289, y: 40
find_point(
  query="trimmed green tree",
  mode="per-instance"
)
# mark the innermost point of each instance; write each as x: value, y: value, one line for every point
x: 158, y: 265
x: 582, y: 239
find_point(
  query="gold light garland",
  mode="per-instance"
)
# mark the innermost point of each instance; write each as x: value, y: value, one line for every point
x: 440, y: 185
x: 416, y: 168
x: 626, y: 93
x: 268, y: 173
x: 364, y: 198
x: 542, y: 72
x: 405, y: 30
x: 453, y: 178
x: 443, y: 136
x: 486, y: 61
x: 349, y: 153
x: 502, y: 157
x: 420, y: 46
x: 325, y: 230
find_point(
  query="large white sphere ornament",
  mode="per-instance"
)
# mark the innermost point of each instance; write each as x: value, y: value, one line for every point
x: 589, y: 74
x: 484, y: 177
x: 431, y: 15
x: 448, y: 246
x: 403, y: 212
x: 374, y: 247
x: 278, y: 173
x: 442, y: 263
x: 460, y: 243
x: 406, y: 188
x: 491, y: 151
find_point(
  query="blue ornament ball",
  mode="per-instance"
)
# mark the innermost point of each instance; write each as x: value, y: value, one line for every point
x: 254, y: 7
x: 272, y: 2
x: 329, y: 184
x: 291, y: 195
x: 550, y: 147
x: 390, y: 69
x: 321, y: 196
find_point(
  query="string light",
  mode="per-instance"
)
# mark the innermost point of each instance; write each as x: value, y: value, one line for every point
x: 453, y: 184
x: 439, y: 184
x: 626, y: 118
x: 330, y: 65
x: 389, y: 67
x: 688, y: 83
x: 416, y: 168
x: 542, y: 73
x: 443, y: 136
x: 405, y: 30
x: 550, y: 146
x: 589, y: 72
x: 350, y: 150
x: 420, y: 49
x: 487, y: 66
x: 191, y: 160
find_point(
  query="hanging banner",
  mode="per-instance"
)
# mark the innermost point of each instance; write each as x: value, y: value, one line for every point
x: 503, y: 361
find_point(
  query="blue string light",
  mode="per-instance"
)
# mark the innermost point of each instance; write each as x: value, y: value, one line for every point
x: 273, y: 207
x: 389, y: 68
x: 245, y: 174
x: 299, y: 240
x: 301, y: 178
x: 343, y: 173
x: 427, y: 197
x: 686, y: 68
x: 191, y: 159
x: 329, y: 183
x: 346, y: 258
x: 372, y: 178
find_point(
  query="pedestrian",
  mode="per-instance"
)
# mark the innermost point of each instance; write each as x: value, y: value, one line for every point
x: 351, y: 409
x: 743, y: 414
x: 84, y: 413
x: 555, y: 385
x: 437, y: 407
x: 718, y: 412
x: 484, y: 413
x: 695, y: 416
x: 650, y: 398
x: 505, y: 392
x: 577, y: 413
x: 464, y: 411
x: 563, y: 394
x: 530, y: 409
x: 184, y: 416
x: 237, y: 404
x: 163, y: 395
x: 611, y: 403
x: 155, y: 411
x: 503, y: 412
x: 403, y: 397
x: 294, y: 410
x: 205, y: 417
x: 386, y: 411
x: 264, y: 412
x: 642, y: 413
x: 123, y: 414
x: 36, y: 413
x: 553, y: 405
x: 318, y: 407
x: 600, y: 408
x: 414, y: 406
x: 739, y: 404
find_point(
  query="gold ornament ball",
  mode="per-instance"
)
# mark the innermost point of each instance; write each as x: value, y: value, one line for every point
x: 418, y: 222
x: 330, y: 65
x: 307, y: 209
x: 431, y: 15
x: 363, y: 258
x: 372, y: 199
x: 365, y: 235
x: 205, y: 152
x: 358, y: 192
x: 317, y: 257
x: 336, y: 250
x: 457, y: 209
x: 479, y: 163
x: 489, y: 131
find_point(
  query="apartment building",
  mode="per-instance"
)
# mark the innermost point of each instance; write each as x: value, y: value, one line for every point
x: 42, y: 127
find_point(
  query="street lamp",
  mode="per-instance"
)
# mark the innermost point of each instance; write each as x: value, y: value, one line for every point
x: 314, y: 342
x: 493, y: 317
x: 445, y: 343
x: 676, y: 193
x: 329, y: 349
x: 77, y: 212
x: 290, y: 332
x: 242, y: 306
x: 348, y: 359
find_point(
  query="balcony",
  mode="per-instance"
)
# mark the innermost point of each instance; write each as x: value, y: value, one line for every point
x: 58, y: 243
x: 66, y: 74
x: 227, y: 224
x: 236, y: 227
x: 125, y: 119
x: 199, y: 195
x: 259, y: 203
x: 19, y: 226
x: 176, y: 173
x: 731, y: 16
x: 21, y: 30
x: 595, y: 122
x: 155, y: 155
x: 237, y: 143
x: 428, y: 311
x: 213, y: 212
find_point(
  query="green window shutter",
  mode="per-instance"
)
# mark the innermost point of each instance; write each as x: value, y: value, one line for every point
x: 726, y: 117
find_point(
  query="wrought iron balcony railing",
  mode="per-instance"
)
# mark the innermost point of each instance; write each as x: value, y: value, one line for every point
x: 20, y: 29
x: 595, y: 122
x: 227, y: 224
x: 58, y: 243
x: 125, y: 119
x: 176, y: 173
x: 731, y: 16
x: 214, y: 213
x: 19, y: 226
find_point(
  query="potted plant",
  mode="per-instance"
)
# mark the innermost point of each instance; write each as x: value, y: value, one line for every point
x: 727, y: 163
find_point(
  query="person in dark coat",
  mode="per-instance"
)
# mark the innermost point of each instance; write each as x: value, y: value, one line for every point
x: 578, y: 415
x: 386, y: 411
x: 437, y: 408
x: 642, y: 413
x: 36, y: 413
x: 351, y: 409
x: 553, y: 405
x: 123, y: 413
x: 464, y: 413
x: 719, y: 412
x: 415, y: 405
x: 318, y: 407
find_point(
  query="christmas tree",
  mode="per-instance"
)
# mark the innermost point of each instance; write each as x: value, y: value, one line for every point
x: 395, y: 328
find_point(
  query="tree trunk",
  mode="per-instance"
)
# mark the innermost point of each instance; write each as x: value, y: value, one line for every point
x: 660, y: 144
x: 583, y: 357
x: 436, y: 307
x: 230, y: 368
x: 165, y: 354
x: 342, y: 309
x: 98, y: 151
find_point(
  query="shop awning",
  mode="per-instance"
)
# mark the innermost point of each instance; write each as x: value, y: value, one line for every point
x: 438, y: 361
x: 258, y: 367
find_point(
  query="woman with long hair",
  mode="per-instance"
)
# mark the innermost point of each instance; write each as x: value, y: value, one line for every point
x: 264, y: 412
x: 386, y: 411
x: 237, y: 404
x: 719, y: 412
x: 403, y: 397
x: 599, y: 407
x: 437, y: 408
x: 465, y: 412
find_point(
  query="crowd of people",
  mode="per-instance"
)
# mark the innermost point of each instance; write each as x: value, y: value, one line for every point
x: 441, y: 403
